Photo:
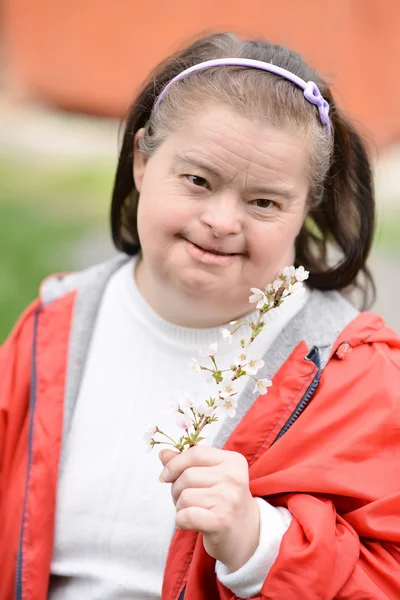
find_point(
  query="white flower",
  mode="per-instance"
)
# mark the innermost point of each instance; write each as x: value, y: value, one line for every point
x: 227, y: 406
x: 184, y: 421
x: 269, y: 289
x: 278, y: 283
x: 172, y: 407
x: 213, y: 349
x: 301, y: 274
x: 208, y: 378
x: 210, y: 351
x: 227, y: 335
x: 253, y: 366
x: 257, y: 296
x: 241, y: 359
x: 187, y: 402
x: 297, y: 289
x: 149, y: 431
x: 288, y: 272
x: 227, y: 387
x: 262, y: 385
x: 202, y: 408
x: 195, y: 365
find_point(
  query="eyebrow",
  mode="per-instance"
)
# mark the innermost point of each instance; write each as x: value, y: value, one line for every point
x: 263, y: 189
x: 184, y: 159
x: 266, y: 190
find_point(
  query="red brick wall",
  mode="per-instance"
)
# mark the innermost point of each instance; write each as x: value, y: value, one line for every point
x: 89, y: 55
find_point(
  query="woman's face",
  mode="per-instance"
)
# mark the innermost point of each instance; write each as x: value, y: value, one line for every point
x: 222, y: 201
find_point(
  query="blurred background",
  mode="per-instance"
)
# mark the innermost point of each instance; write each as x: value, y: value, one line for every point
x: 68, y: 71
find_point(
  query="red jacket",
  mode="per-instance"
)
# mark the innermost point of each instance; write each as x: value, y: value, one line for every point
x: 337, y: 469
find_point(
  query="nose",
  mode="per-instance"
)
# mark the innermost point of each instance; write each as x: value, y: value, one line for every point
x: 222, y: 214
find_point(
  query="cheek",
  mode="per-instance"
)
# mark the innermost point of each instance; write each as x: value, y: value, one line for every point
x: 161, y: 215
x: 275, y: 242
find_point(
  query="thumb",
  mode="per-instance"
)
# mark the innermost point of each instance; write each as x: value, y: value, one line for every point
x: 166, y: 455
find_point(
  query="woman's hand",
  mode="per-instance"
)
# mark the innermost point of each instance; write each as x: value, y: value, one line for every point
x: 210, y: 488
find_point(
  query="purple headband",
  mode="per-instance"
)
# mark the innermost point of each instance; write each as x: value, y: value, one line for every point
x: 310, y: 89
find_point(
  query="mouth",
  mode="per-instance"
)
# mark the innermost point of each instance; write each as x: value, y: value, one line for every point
x: 214, y: 251
x: 210, y: 256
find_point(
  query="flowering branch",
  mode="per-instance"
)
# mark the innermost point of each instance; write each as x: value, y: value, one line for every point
x: 193, y: 417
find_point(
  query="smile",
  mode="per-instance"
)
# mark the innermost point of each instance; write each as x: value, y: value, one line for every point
x: 216, y: 251
x: 210, y: 257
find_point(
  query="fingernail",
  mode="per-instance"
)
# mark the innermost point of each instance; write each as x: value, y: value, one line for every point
x: 164, y: 475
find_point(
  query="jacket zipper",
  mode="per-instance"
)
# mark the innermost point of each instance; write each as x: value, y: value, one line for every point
x: 32, y: 403
x: 314, y: 357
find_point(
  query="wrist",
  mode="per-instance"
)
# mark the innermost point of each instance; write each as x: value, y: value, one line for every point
x: 245, y: 540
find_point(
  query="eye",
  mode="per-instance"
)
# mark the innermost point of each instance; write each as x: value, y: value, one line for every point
x: 263, y: 203
x: 198, y: 181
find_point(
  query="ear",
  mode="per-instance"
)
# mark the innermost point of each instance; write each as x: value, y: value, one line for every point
x: 139, y: 160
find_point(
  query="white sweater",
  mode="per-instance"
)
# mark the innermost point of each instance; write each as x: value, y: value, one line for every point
x: 114, y: 519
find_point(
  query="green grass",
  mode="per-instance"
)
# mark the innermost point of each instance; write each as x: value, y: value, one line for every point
x: 75, y: 191
x: 387, y: 234
x: 44, y: 210
x: 32, y: 245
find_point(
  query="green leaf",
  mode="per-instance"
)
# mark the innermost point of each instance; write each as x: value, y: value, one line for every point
x: 217, y: 376
x: 240, y: 373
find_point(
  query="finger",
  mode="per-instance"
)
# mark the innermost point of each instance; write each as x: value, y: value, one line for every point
x: 200, y: 497
x: 197, y: 456
x: 195, y: 477
x: 198, y: 519
x: 166, y: 455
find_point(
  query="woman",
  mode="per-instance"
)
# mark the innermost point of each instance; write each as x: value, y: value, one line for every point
x: 229, y: 172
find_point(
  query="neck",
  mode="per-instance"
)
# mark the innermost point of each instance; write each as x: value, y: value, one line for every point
x: 184, y: 310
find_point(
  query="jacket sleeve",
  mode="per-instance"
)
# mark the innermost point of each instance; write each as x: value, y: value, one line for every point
x: 341, y: 470
x: 323, y: 557
x: 15, y: 360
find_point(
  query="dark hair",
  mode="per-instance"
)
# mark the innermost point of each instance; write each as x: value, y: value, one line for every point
x: 342, y: 211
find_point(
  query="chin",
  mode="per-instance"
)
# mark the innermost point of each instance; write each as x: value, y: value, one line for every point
x: 199, y: 283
